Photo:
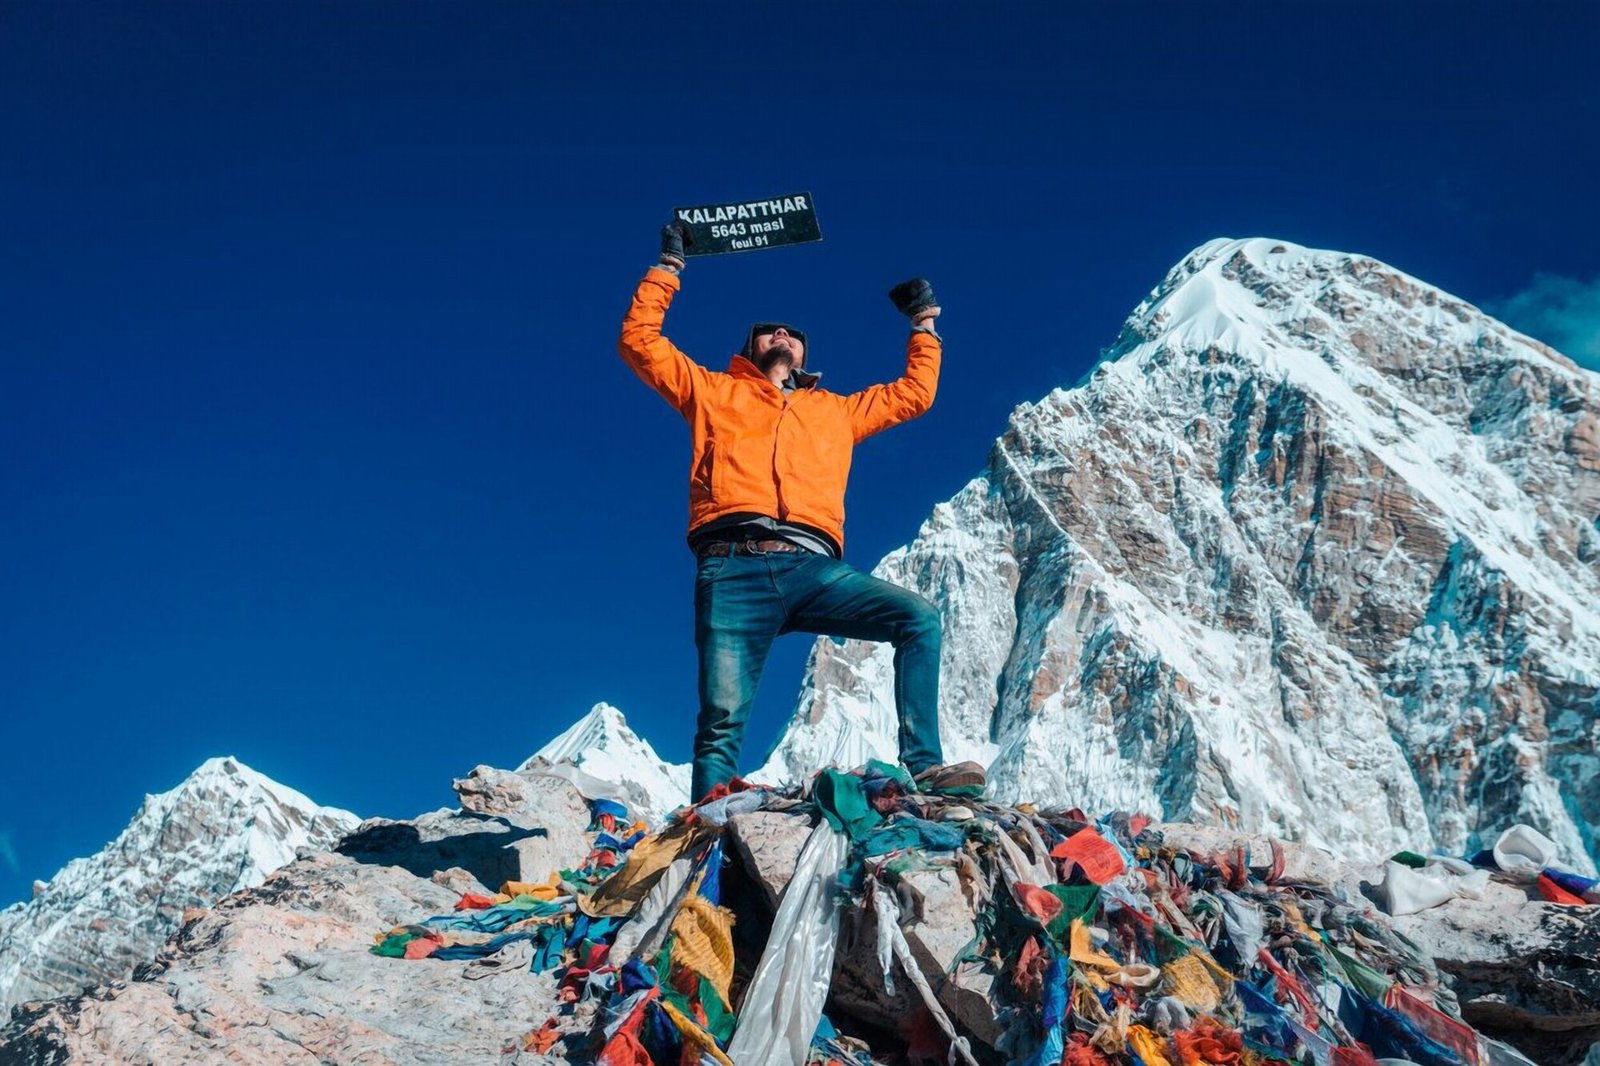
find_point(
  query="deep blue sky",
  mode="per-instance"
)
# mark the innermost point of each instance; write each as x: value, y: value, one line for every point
x: 314, y: 445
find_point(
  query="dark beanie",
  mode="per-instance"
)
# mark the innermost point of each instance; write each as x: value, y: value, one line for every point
x: 797, y: 334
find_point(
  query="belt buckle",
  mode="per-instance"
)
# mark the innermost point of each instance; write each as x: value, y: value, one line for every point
x: 753, y: 547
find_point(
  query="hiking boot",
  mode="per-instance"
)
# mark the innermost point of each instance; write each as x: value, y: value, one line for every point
x: 958, y: 779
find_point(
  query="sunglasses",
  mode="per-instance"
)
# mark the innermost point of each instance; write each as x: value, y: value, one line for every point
x: 766, y: 329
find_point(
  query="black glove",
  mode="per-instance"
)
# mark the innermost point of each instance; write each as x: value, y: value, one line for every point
x: 674, y: 239
x: 913, y: 297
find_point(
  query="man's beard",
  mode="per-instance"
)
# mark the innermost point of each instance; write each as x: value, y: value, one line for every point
x: 773, y: 356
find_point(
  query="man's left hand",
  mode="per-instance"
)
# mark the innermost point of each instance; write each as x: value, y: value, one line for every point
x: 916, y: 301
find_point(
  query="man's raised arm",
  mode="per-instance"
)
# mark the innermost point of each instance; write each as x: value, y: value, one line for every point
x: 881, y: 406
x: 656, y: 360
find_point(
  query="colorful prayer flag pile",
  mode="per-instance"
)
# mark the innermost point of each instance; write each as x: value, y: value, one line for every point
x: 1104, y: 943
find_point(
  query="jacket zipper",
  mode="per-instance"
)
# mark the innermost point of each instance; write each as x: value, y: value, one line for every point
x: 777, y: 480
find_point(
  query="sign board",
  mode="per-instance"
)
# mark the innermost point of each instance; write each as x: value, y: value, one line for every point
x: 750, y: 224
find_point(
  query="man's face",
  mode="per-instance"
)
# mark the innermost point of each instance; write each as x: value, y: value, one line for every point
x: 769, y: 348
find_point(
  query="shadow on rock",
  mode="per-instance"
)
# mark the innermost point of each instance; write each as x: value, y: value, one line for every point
x: 478, y: 844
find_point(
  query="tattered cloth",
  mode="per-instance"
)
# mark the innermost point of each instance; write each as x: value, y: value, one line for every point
x: 1104, y: 944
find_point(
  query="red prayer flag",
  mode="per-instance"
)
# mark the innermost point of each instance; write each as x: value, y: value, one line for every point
x: 1551, y: 892
x: 1096, y: 856
x: 1438, y: 1025
x: 1353, y: 1056
x: 421, y: 947
x: 1037, y: 902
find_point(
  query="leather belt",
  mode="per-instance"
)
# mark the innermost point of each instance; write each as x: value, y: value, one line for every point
x: 748, y: 547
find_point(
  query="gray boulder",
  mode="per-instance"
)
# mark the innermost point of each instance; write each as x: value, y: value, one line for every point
x: 511, y: 827
x: 1524, y: 970
x: 769, y: 843
x: 282, y: 974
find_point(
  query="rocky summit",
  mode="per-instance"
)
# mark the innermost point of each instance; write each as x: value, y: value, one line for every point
x: 1313, y: 551
x: 855, y: 922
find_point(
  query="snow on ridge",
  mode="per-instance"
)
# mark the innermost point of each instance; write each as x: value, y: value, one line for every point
x: 1202, y: 305
x: 603, y: 727
x: 1207, y: 310
x: 603, y: 745
x: 227, y: 767
x: 223, y: 828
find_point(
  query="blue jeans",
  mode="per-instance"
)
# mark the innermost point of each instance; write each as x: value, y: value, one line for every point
x: 743, y: 602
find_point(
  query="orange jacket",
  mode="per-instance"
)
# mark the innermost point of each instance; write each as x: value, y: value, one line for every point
x: 757, y: 448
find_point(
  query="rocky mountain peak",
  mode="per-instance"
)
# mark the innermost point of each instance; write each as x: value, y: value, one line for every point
x: 602, y: 745
x: 603, y: 728
x: 224, y: 827
x: 1311, y: 551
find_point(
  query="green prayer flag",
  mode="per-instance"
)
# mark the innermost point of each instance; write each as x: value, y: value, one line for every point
x: 879, y: 768
x: 843, y: 803
x: 1077, y: 901
x: 394, y: 947
x: 719, y: 1019
x: 1367, y: 981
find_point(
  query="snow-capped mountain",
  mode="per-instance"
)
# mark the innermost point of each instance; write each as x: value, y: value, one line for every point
x: 1313, y: 550
x: 224, y: 828
x: 603, y: 746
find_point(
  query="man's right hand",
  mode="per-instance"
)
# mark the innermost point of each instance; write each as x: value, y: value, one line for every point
x: 674, y: 239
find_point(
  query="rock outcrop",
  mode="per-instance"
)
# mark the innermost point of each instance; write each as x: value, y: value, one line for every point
x: 1520, y: 967
x: 226, y: 827
x: 282, y: 973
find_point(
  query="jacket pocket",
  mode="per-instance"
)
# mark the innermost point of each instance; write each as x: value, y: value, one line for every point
x: 700, y: 479
x: 725, y: 478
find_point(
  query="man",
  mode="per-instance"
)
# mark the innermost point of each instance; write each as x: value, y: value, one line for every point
x: 771, y: 454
